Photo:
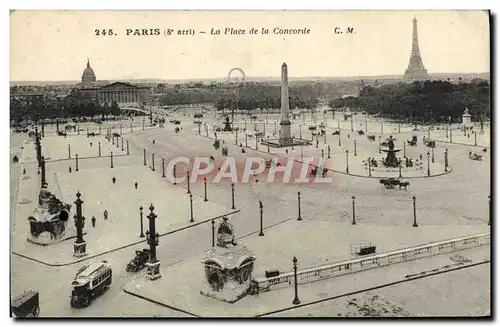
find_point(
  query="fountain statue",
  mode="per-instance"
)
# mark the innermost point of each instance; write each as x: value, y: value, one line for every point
x: 391, y: 161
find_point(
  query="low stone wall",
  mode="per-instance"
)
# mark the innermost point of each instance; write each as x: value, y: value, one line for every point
x: 368, y: 262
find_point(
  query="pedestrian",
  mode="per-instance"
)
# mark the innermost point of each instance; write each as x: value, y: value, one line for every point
x: 114, y: 180
x: 70, y: 169
x: 135, y: 184
x: 286, y: 151
x: 154, y: 142
x: 24, y: 171
x: 105, y: 214
x: 93, y: 221
x: 91, y: 144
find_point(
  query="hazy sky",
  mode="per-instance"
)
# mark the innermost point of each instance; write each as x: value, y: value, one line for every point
x: 54, y: 45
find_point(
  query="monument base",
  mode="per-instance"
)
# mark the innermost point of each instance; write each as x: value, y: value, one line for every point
x: 80, y: 249
x: 279, y: 143
x: 153, y: 270
x: 231, y: 292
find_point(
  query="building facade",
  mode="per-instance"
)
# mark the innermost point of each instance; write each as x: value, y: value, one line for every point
x: 125, y: 94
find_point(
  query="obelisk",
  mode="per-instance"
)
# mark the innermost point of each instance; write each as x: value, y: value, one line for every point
x: 285, y: 136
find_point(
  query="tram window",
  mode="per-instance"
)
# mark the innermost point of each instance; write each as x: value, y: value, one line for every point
x: 347, y: 267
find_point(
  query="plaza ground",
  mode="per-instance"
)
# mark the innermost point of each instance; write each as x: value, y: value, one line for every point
x: 442, y: 213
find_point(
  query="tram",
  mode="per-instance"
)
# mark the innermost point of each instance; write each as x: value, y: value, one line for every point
x: 89, y: 282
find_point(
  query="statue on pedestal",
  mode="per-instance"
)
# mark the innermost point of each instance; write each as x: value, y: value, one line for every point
x: 228, y: 267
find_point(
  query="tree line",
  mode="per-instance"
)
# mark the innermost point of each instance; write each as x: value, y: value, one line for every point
x: 73, y: 105
x: 431, y: 101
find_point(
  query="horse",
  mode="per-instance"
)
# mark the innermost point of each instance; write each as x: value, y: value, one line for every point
x: 404, y: 184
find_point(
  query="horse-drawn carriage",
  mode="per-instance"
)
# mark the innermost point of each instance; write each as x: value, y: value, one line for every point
x: 314, y: 172
x: 337, y: 132
x: 371, y: 138
x: 413, y: 141
x: 393, y: 182
x: 475, y: 156
x: 360, y: 132
x: 139, y: 261
x: 224, y: 151
x: 26, y: 305
x: 15, y: 159
x: 430, y: 143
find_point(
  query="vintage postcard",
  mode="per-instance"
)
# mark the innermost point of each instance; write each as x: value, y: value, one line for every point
x: 250, y: 164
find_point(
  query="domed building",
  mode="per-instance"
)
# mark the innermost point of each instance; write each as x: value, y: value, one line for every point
x: 124, y: 94
x: 88, y: 75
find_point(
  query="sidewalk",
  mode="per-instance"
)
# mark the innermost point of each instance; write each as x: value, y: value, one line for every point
x: 275, y: 251
x: 122, y: 202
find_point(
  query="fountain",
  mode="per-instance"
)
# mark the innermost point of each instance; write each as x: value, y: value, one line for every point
x: 391, y: 161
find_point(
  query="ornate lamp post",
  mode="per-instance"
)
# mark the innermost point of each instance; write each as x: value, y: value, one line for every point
x: 381, y: 127
x: 191, y: 207
x: 140, y: 218
x: 475, y: 138
x: 370, y: 167
x: 213, y: 233
x: 353, y: 211
x: 188, y: 184
x: 432, y: 154
x: 399, y: 128
x: 122, y: 143
x: 42, y: 166
x: 339, y: 141
x: 322, y: 153
x: 347, y: 161
x: 329, y: 151
x: 117, y: 145
x: 69, y: 151
x: 379, y: 144
x: 404, y: 149
x: 205, y: 183
x: 79, y: 246
x: 153, y: 264
x: 298, y: 201
x: 300, y: 131
x: 236, y: 136
x: 232, y: 196
x: 153, y: 161
x: 99, y: 146
x: 446, y: 160
x: 355, y: 151
x: 399, y: 165
x: 131, y: 129
x: 144, y: 156
x: 428, y: 164
x: 111, y: 157
x: 261, y: 218
x: 163, y: 168
x: 175, y: 174
x: 414, y: 212
x: 76, y: 162
x: 296, y: 300
x: 446, y: 131
x: 451, y: 136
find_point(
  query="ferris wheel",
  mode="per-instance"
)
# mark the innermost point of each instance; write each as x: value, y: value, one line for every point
x: 236, y: 75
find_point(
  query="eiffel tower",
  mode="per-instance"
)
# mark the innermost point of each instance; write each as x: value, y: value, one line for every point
x: 416, y: 70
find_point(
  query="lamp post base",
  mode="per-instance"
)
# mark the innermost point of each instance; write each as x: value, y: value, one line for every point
x: 153, y: 270
x: 79, y: 249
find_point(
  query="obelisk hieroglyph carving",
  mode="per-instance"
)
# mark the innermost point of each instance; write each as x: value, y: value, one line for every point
x: 285, y: 136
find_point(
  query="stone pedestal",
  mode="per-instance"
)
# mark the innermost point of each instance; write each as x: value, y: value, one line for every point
x: 228, y: 272
x: 153, y: 270
x: 80, y: 249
